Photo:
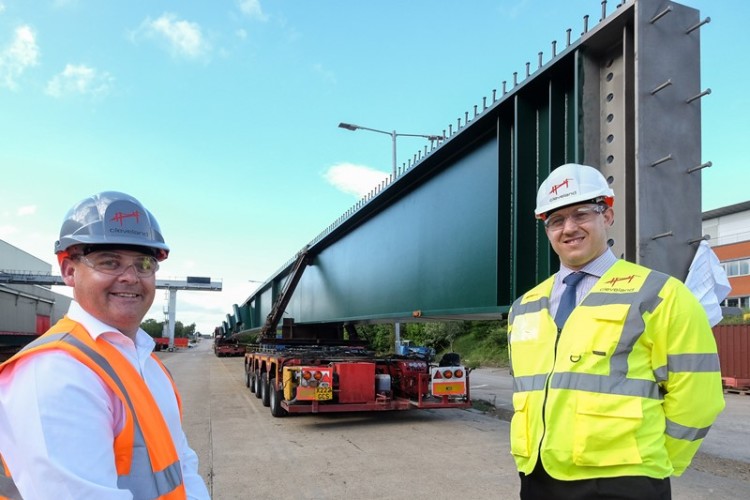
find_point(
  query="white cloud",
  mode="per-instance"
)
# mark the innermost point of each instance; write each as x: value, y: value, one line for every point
x: 241, y: 34
x: 252, y: 9
x: 354, y: 179
x: 2, y: 7
x: 27, y: 210
x: 21, y: 54
x: 184, y: 38
x: 80, y: 80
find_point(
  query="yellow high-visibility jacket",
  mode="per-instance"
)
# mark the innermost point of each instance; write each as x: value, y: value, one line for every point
x: 630, y: 386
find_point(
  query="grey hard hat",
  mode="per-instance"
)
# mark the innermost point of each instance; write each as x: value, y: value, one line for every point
x: 111, y: 218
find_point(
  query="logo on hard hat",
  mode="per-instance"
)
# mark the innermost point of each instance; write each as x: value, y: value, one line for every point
x: 133, y: 229
x: 558, y: 186
x: 120, y: 217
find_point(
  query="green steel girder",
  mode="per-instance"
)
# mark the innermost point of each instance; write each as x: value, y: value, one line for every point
x: 454, y: 236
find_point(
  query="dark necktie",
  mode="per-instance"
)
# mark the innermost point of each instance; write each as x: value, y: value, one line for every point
x: 568, y: 299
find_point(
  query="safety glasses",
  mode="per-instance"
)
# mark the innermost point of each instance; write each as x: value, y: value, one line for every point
x: 115, y: 264
x: 579, y: 216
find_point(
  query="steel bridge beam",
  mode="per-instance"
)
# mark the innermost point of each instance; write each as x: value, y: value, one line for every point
x: 454, y: 236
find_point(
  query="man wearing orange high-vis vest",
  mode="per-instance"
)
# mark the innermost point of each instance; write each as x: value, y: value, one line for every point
x: 87, y: 411
x: 615, y: 371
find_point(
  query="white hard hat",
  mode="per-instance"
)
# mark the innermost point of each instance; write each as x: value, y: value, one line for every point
x: 570, y: 184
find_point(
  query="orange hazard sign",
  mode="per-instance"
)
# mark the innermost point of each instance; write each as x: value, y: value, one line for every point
x: 448, y: 381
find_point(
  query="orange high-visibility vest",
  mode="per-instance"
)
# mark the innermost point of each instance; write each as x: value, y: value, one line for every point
x: 145, y: 456
x: 8, y: 490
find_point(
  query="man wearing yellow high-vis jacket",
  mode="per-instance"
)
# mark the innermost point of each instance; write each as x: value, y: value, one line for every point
x: 615, y: 369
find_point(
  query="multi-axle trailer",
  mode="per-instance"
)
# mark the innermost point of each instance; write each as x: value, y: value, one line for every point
x: 345, y: 376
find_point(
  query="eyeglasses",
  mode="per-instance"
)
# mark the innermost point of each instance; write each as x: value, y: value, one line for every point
x: 580, y: 215
x: 115, y: 265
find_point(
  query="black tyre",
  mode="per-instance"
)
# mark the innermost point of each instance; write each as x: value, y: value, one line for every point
x: 257, y: 385
x: 253, y: 382
x: 265, y: 390
x: 247, y: 378
x: 277, y: 396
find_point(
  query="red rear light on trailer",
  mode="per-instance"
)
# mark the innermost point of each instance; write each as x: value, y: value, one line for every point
x: 448, y: 381
x: 315, y: 384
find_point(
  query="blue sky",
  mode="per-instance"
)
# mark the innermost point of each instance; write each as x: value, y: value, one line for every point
x: 222, y: 116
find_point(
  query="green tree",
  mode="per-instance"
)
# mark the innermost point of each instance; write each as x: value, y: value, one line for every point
x: 380, y: 337
x: 189, y: 330
x: 152, y: 327
x: 443, y: 334
x: 155, y: 328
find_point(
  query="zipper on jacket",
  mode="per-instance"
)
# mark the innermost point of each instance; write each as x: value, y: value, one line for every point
x: 546, y: 391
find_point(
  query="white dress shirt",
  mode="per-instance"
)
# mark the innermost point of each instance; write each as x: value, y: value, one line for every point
x: 594, y: 270
x: 58, y: 420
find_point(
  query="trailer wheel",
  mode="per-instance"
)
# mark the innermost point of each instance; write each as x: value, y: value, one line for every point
x: 247, y: 378
x: 258, y: 393
x: 253, y: 381
x: 276, y: 396
x: 265, y: 389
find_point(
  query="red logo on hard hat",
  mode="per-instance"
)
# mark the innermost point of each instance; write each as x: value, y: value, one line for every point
x: 120, y: 217
x: 616, y: 280
x: 558, y: 186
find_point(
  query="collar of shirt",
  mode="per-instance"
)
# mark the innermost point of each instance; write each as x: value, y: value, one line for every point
x: 594, y: 270
x: 596, y: 267
x: 144, y: 344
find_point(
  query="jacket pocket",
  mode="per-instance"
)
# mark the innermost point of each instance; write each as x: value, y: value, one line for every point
x: 605, y: 430
x: 591, y: 339
x: 519, y: 426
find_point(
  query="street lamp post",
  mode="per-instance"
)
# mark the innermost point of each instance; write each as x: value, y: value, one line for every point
x: 393, y: 134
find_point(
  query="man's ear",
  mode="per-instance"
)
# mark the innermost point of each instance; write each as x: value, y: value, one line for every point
x: 609, y: 217
x: 68, y: 270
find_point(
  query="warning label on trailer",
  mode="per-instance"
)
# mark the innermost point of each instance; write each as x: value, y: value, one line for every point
x: 448, y: 381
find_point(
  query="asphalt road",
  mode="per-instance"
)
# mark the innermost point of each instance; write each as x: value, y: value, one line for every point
x: 435, y: 454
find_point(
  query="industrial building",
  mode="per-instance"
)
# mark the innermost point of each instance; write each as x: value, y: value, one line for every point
x: 729, y: 231
x: 26, y: 310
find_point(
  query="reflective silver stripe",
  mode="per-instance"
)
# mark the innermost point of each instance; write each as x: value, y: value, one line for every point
x: 679, y: 431
x: 43, y: 340
x: 661, y: 374
x: 167, y: 478
x: 693, y: 363
x: 529, y: 383
x: 606, y: 384
x: 533, y: 306
x: 644, y: 300
x: 142, y: 481
x: 8, y: 488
